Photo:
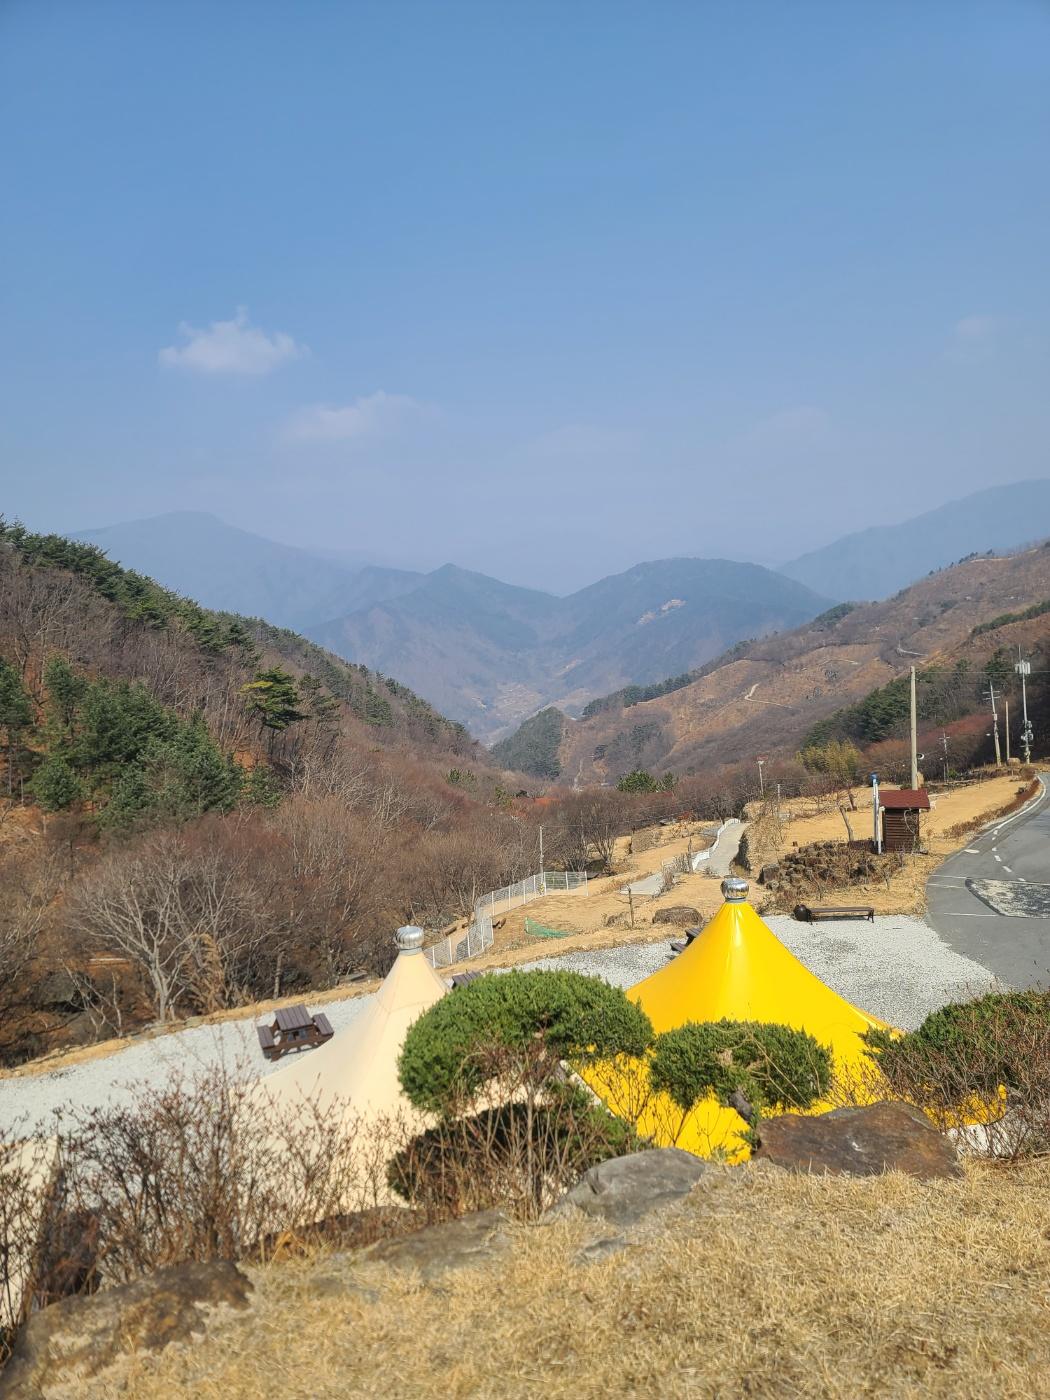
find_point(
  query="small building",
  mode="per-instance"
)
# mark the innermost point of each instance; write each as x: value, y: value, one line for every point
x: 900, y: 808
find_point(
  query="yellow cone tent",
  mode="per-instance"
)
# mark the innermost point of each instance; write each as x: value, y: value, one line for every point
x: 736, y: 970
x: 358, y: 1066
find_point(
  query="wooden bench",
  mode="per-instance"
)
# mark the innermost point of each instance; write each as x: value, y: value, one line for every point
x: 293, y: 1029
x: 811, y: 914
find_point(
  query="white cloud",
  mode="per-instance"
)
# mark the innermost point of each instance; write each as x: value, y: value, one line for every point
x: 231, y: 347
x: 372, y: 415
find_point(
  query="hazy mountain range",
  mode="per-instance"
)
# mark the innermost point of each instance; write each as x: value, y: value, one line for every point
x: 489, y: 654
x: 765, y: 696
x: 876, y: 562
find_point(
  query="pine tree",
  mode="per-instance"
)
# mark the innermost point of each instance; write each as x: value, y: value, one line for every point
x: 274, y: 698
x: 55, y: 785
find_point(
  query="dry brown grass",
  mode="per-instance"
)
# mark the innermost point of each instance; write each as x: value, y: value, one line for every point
x: 767, y: 1285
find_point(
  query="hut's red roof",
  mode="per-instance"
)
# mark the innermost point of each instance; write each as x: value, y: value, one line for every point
x: 903, y: 799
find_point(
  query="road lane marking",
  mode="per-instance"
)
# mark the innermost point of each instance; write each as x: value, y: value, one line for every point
x: 999, y: 859
x: 1008, y: 870
x: 973, y: 850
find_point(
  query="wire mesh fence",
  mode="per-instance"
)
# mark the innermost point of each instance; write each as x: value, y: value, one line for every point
x: 532, y: 887
x: 458, y: 946
x: 478, y: 935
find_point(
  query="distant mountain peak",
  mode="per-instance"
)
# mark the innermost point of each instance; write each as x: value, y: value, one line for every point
x: 879, y: 560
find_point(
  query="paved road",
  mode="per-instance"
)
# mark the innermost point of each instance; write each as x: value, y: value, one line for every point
x: 991, y: 902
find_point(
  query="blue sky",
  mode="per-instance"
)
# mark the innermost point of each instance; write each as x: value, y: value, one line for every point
x: 544, y: 289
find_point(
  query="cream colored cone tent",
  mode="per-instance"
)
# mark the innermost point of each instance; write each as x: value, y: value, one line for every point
x: 736, y: 970
x: 28, y: 1172
x: 358, y: 1066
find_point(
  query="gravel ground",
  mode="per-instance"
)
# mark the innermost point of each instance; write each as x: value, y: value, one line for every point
x: 899, y: 970
x: 37, y: 1099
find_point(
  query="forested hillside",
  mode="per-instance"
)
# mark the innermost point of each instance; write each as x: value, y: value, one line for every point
x: 534, y: 747
x: 200, y: 808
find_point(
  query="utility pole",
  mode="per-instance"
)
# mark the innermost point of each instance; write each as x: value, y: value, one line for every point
x: 761, y: 780
x: 944, y: 741
x: 914, y: 743
x: 1006, y: 729
x: 995, y: 725
x: 1024, y: 669
x: 876, y: 831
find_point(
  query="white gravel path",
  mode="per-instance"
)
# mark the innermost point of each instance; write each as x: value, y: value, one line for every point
x: 899, y: 969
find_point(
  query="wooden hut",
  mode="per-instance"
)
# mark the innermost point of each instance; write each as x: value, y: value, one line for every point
x: 900, y: 809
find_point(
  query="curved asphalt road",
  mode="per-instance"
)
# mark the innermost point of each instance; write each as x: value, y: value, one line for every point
x: 991, y: 902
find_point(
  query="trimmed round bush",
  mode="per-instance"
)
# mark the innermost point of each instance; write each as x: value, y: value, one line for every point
x: 773, y: 1066
x: 535, y: 1018
x: 969, y: 1047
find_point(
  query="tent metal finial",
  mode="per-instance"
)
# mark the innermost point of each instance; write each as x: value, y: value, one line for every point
x: 734, y: 890
x: 409, y: 939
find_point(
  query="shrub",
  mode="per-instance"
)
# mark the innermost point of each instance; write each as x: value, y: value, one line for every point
x: 207, y: 1169
x: 965, y: 1056
x: 773, y: 1066
x: 518, y: 1156
x: 541, y: 1018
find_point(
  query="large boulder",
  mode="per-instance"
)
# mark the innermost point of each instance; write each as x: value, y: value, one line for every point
x: 859, y: 1142
x: 81, y: 1338
x: 682, y: 915
x: 438, y: 1249
x: 625, y: 1189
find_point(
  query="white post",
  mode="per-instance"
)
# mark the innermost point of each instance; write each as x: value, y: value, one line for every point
x: 1006, y: 727
x: 995, y: 726
x: 875, y: 812
x: 914, y: 740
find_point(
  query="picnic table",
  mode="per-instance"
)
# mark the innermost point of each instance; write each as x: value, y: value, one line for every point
x: 681, y: 944
x: 811, y: 913
x: 293, y: 1029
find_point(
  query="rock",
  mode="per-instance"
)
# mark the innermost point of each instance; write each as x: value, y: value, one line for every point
x: 458, y: 1244
x: 768, y: 874
x: 859, y: 1142
x: 85, y: 1337
x: 624, y: 1189
x: 58, y: 989
x: 683, y: 915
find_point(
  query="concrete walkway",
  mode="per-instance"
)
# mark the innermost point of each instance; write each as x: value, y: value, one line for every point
x: 723, y: 853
